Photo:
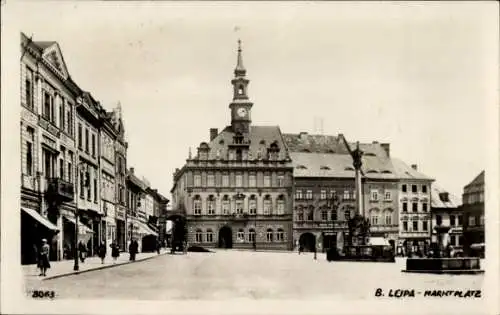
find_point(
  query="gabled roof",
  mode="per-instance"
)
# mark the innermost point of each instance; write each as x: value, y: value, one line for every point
x: 260, y: 138
x: 404, y: 171
x: 438, y: 201
x: 479, y: 180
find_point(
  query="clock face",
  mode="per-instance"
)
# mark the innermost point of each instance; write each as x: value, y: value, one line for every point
x: 242, y: 112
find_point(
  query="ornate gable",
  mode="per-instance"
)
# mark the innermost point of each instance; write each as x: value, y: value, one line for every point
x: 53, y: 56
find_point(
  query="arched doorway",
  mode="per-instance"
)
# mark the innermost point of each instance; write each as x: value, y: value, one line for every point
x: 307, y: 241
x: 225, y: 237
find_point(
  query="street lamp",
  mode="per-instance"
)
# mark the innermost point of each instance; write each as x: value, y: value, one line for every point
x: 76, y: 267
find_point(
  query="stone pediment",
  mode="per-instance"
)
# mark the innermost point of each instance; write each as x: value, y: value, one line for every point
x: 54, y: 57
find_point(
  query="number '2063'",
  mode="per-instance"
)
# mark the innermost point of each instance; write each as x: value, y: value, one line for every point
x: 40, y: 294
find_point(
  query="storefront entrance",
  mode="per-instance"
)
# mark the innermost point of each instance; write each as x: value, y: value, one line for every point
x: 307, y: 241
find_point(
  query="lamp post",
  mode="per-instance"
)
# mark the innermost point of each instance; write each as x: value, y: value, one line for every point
x: 76, y: 267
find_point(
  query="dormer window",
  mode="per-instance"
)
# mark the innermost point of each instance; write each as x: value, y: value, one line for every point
x: 324, y: 168
x: 301, y: 167
x: 444, y: 196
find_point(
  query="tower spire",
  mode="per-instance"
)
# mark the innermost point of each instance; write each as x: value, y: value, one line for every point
x: 240, y: 69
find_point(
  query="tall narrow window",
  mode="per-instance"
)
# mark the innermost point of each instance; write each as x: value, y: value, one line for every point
x: 197, y: 205
x: 87, y: 140
x: 80, y: 142
x: 62, y: 124
x: 424, y: 226
x: 82, y: 183
x: 197, y: 180
x: 89, y: 191
x: 251, y: 235
x: 324, y: 215
x: 70, y: 175
x: 225, y: 205
x: 414, y: 207
x: 252, y: 205
x: 29, y: 88
x: 405, y: 225
x: 95, y: 190
x: 323, y: 195
x: 415, y: 225
x: 298, y: 194
x: 239, y: 180
x: 61, y: 168
x: 225, y: 180
x: 211, y: 205
x: 29, y: 158
x: 210, y: 236
x: 269, y: 235
x: 267, y: 180
x: 252, y: 182
x: 309, y: 194
x: 267, y: 205
x: 240, y: 236
x: 239, y: 206
x: 210, y: 180
x: 46, y: 105
x: 346, y: 195
x: 280, y: 205
x: 199, y: 236
x: 280, y: 235
x: 93, y: 145
x: 281, y: 181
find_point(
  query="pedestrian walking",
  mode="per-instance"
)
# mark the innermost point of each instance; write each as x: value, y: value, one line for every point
x: 132, y: 249
x: 102, y: 252
x: 43, y: 261
x: 115, y: 251
x: 82, y: 251
x: 158, y: 247
x: 315, y: 252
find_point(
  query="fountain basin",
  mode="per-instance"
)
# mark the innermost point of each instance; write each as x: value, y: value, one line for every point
x: 456, y: 265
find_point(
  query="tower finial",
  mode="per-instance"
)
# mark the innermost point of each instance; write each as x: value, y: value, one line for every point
x: 240, y: 69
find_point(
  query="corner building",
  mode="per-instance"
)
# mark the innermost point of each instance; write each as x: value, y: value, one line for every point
x: 236, y: 192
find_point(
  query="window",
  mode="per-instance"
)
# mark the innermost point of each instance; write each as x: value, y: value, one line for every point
x: 300, y: 215
x: 29, y: 88
x: 281, y: 181
x: 29, y: 158
x: 280, y: 205
x: 69, y: 120
x: 210, y: 236
x: 80, y: 136
x: 324, y: 215
x: 62, y: 124
x: 424, y: 207
x: 267, y: 180
x: 460, y: 222
x: 374, y: 195
x: 197, y: 180
x: 388, y: 195
x: 424, y: 225
x: 346, y: 195
x: 403, y: 188
x: 323, y: 194
x: 95, y: 190
x: 334, y: 215
x: 252, y: 205
x: 269, y: 235
x: 239, y: 206
x: 199, y: 236
x: 47, y: 109
x: 239, y: 180
x: 298, y: 194
x: 88, y: 188
x: 374, y: 218
x: 70, y: 174
x: 414, y: 206
x: 280, y: 235
x: 252, y: 180
x: 267, y: 206
x: 413, y: 188
x: 310, y: 215
x: 93, y: 145
x: 452, y: 220
x: 405, y: 226
x: 461, y: 240
x: 197, y: 205
x: 225, y: 205
x: 225, y: 180
x: 61, y: 168
x: 405, y: 207
x: 240, y: 235
x: 424, y: 188
x: 251, y: 235
x: 333, y: 193
x: 347, y: 214
x: 239, y: 155
x: 309, y: 194
x: 211, y: 205
x: 388, y: 218
x: 415, y: 225
x: 210, y: 180
x: 82, y: 184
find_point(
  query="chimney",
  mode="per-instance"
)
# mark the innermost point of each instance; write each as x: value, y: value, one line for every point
x: 132, y: 170
x: 414, y: 166
x: 213, y: 133
x: 303, y: 135
x: 387, y: 148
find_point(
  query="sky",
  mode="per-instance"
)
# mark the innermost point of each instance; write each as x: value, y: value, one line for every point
x: 421, y: 76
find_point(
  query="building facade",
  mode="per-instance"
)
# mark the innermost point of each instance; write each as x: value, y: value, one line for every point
x: 473, y: 216
x: 414, y: 200
x: 237, y: 190
x: 446, y: 213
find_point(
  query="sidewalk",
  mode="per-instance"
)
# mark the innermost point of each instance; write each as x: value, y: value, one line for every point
x: 65, y: 267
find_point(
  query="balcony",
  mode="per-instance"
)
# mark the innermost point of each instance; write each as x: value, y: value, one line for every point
x: 61, y: 189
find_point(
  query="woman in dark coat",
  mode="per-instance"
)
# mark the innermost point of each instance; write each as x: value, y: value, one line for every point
x: 43, y: 261
x: 115, y: 251
x: 102, y: 252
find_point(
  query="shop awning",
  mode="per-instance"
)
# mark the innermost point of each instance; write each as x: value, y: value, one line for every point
x: 82, y: 228
x: 380, y: 241
x: 37, y: 216
x: 144, y: 229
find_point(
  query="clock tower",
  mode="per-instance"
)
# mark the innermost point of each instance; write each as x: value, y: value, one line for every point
x: 240, y: 106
